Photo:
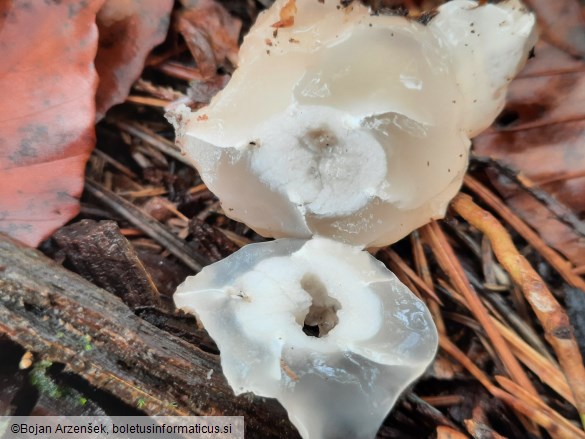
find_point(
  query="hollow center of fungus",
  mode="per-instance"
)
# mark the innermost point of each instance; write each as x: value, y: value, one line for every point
x: 319, y: 140
x: 322, y: 314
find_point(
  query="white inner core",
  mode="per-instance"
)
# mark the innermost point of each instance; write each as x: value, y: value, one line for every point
x: 321, y: 159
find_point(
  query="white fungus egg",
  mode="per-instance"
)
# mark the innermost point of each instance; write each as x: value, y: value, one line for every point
x: 351, y: 125
x: 371, y: 336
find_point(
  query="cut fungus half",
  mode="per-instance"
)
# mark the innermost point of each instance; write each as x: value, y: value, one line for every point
x: 322, y: 326
x: 351, y: 125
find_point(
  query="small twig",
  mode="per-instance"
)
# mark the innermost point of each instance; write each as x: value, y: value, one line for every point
x: 393, y: 256
x: 537, y: 416
x: 423, y: 406
x: 154, y: 59
x: 115, y: 163
x: 552, y: 257
x: 443, y: 400
x: 148, y: 225
x: 565, y: 176
x: 560, y: 430
x: 450, y: 264
x: 145, y: 192
x: 165, y: 146
x: 239, y: 240
x: 165, y: 93
x: 424, y: 271
x: 147, y: 100
x: 547, y: 371
x: 510, y: 316
x: 558, y: 420
x: 449, y: 347
x: 479, y: 430
x: 579, y: 271
x: 180, y: 71
x: 552, y: 316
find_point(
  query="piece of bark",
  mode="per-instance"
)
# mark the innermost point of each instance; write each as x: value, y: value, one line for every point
x: 55, y: 399
x: 67, y: 319
x: 160, y: 208
x: 210, y: 241
x: 166, y: 273
x: 151, y: 227
x: 9, y: 388
x: 12, y: 379
x: 183, y: 326
x: 102, y: 255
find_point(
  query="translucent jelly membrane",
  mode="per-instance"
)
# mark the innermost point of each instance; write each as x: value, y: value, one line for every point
x: 395, y: 100
x: 322, y: 326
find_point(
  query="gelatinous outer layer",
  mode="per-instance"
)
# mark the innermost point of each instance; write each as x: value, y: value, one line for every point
x: 354, y: 126
x: 376, y: 336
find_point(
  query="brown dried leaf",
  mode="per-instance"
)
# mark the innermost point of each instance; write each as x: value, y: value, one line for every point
x: 128, y: 30
x: 562, y: 23
x: 211, y: 34
x: 47, y: 113
x: 558, y: 234
x: 203, y: 91
x: 541, y: 132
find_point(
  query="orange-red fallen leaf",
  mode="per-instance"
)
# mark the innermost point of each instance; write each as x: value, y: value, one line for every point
x: 211, y: 34
x: 562, y: 23
x: 128, y: 30
x: 47, y: 84
x: 541, y: 132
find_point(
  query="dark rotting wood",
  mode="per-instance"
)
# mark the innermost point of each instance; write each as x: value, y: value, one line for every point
x: 211, y: 241
x: 157, y: 231
x: 64, y: 318
x: 101, y: 254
